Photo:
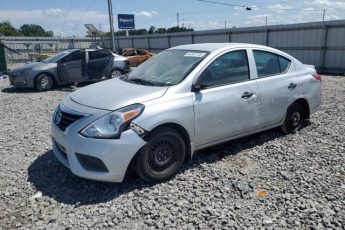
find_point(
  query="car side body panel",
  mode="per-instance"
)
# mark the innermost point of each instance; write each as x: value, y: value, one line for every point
x: 267, y: 105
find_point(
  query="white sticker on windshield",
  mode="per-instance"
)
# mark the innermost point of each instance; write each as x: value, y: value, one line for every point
x: 194, y: 54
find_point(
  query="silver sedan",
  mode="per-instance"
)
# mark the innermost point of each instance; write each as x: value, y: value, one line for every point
x: 184, y: 99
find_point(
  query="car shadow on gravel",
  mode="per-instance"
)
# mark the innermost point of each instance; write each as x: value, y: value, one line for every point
x: 55, y: 181
x: 216, y: 153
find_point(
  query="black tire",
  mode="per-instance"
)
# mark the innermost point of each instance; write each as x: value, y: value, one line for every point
x: 115, y: 73
x: 44, y: 82
x: 162, y: 157
x: 294, y: 119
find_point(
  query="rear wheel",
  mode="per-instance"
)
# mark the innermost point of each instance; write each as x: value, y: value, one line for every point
x: 115, y: 73
x: 162, y: 157
x: 294, y: 119
x: 44, y: 82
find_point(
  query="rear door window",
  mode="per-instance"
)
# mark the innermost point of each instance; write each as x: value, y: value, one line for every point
x: 284, y: 64
x: 268, y: 64
x: 98, y: 54
x: 130, y: 53
x: 141, y: 52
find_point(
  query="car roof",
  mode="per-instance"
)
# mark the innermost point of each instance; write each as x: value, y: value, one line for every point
x: 85, y: 49
x: 214, y: 46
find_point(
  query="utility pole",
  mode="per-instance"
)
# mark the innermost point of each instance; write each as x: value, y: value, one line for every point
x: 110, y: 10
x: 178, y: 20
x: 324, y: 15
x: 266, y: 21
x: 225, y: 24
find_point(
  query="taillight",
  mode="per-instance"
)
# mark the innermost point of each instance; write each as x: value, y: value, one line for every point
x: 317, y: 76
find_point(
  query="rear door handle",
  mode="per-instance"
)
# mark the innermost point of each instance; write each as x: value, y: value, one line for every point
x: 246, y: 95
x: 292, y: 86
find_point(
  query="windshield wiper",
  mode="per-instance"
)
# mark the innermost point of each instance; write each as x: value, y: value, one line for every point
x: 140, y: 81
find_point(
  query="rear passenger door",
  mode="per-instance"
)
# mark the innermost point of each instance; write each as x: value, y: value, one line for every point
x: 276, y: 83
x: 226, y: 104
x: 99, y: 64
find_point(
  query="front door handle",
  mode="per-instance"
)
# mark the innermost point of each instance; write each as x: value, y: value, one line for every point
x: 292, y: 86
x: 246, y: 95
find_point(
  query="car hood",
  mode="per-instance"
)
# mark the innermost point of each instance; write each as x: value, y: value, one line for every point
x: 115, y: 93
x: 27, y: 66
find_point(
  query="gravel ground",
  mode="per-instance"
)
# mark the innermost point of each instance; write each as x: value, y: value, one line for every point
x: 266, y: 180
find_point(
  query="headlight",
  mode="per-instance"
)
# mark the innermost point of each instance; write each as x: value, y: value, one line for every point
x: 112, y: 124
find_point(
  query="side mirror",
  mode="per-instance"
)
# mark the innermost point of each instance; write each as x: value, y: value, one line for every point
x: 198, y: 88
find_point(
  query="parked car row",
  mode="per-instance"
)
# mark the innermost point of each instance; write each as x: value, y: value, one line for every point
x: 74, y: 66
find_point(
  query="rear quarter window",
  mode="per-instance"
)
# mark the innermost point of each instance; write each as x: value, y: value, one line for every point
x: 269, y: 64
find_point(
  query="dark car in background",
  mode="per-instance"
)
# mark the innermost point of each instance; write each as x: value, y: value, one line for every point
x: 70, y: 66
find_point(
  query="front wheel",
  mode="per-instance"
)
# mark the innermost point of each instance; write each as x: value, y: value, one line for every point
x: 44, y: 82
x: 162, y: 157
x: 294, y: 119
x: 115, y: 73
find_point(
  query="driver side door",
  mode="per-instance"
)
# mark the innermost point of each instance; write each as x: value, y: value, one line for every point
x: 70, y: 67
x: 226, y: 104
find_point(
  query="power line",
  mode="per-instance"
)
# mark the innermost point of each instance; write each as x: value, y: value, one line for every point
x: 67, y: 12
x: 227, y: 4
x: 82, y: 17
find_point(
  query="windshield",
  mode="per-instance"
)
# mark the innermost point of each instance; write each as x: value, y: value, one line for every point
x: 169, y: 67
x: 56, y: 57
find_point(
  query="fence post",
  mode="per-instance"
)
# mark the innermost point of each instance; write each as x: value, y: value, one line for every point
x: 192, y: 38
x: 148, y: 43
x: 267, y: 37
x: 324, y: 48
x: 169, y: 41
x: 230, y: 36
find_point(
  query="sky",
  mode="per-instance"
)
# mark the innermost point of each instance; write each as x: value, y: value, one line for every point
x: 67, y: 17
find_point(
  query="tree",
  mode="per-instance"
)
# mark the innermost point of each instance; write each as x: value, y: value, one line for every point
x: 6, y: 29
x: 152, y: 30
x: 33, y: 30
x: 176, y: 29
x: 161, y: 31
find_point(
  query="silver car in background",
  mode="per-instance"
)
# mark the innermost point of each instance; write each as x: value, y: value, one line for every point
x: 184, y: 99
